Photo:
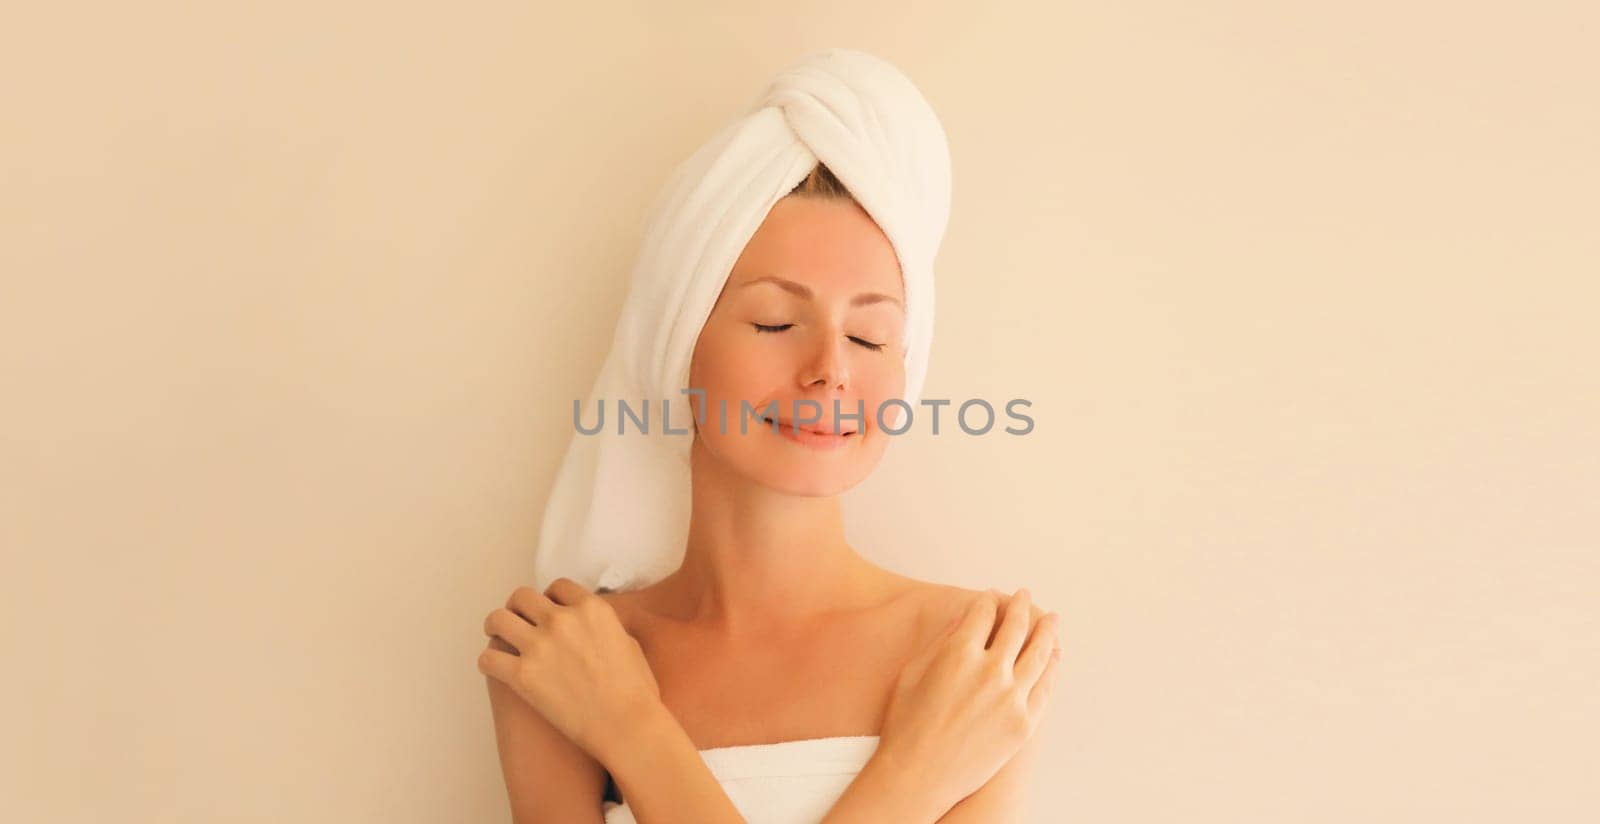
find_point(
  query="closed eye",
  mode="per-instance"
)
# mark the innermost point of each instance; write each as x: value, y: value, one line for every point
x: 762, y: 327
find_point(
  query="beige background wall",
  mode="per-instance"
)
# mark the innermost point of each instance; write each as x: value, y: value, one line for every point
x: 296, y: 298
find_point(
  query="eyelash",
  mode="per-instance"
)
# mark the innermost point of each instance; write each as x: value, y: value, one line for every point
x: 761, y: 327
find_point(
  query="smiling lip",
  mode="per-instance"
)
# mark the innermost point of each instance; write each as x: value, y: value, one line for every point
x: 808, y: 428
x: 809, y: 437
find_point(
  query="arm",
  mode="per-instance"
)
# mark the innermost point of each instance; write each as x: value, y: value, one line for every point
x: 1004, y: 797
x: 887, y: 790
x: 884, y: 790
x: 551, y: 780
x: 663, y: 778
x: 548, y: 778
x: 574, y: 697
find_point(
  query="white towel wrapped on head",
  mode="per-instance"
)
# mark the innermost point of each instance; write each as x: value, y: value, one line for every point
x: 618, y: 514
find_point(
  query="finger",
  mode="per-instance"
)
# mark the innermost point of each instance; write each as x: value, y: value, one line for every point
x: 977, y: 621
x: 501, y: 666
x: 1000, y: 599
x: 1045, y: 687
x: 913, y: 669
x: 919, y: 661
x: 510, y: 627
x: 531, y: 604
x: 1013, y: 626
x: 566, y: 591
x: 999, y: 615
x: 929, y: 650
x: 1031, y: 663
x: 958, y: 615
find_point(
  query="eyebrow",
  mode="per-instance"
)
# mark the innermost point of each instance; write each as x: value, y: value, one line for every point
x: 800, y: 289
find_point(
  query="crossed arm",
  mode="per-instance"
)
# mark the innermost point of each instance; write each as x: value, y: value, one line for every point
x: 550, y: 779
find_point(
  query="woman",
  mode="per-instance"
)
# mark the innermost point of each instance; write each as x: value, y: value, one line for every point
x: 774, y: 674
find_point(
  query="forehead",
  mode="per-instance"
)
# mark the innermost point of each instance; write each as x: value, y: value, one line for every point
x: 831, y: 246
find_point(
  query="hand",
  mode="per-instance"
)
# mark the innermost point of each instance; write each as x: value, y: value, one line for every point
x: 960, y: 710
x: 566, y: 654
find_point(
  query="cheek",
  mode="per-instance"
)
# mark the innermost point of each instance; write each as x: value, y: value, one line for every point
x: 879, y: 379
x: 729, y: 368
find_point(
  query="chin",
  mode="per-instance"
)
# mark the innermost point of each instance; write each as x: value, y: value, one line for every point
x: 805, y: 486
x: 796, y: 471
x: 807, y: 478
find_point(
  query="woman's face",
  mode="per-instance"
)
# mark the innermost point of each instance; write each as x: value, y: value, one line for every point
x: 812, y: 311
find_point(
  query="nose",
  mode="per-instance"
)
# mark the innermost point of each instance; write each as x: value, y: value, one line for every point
x: 827, y: 366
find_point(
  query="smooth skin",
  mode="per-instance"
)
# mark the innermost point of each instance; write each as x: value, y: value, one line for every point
x: 961, y: 712
x: 774, y: 628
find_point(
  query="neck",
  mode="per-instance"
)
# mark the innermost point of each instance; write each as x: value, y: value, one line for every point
x: 759, y: 560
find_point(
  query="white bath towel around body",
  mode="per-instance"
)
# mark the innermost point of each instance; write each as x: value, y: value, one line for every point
x: 791, y: 782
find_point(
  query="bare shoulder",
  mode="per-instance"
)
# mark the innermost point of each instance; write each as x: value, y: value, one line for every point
x: 619, y: 601
x: 937, y: 604
x: 627, y: 607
